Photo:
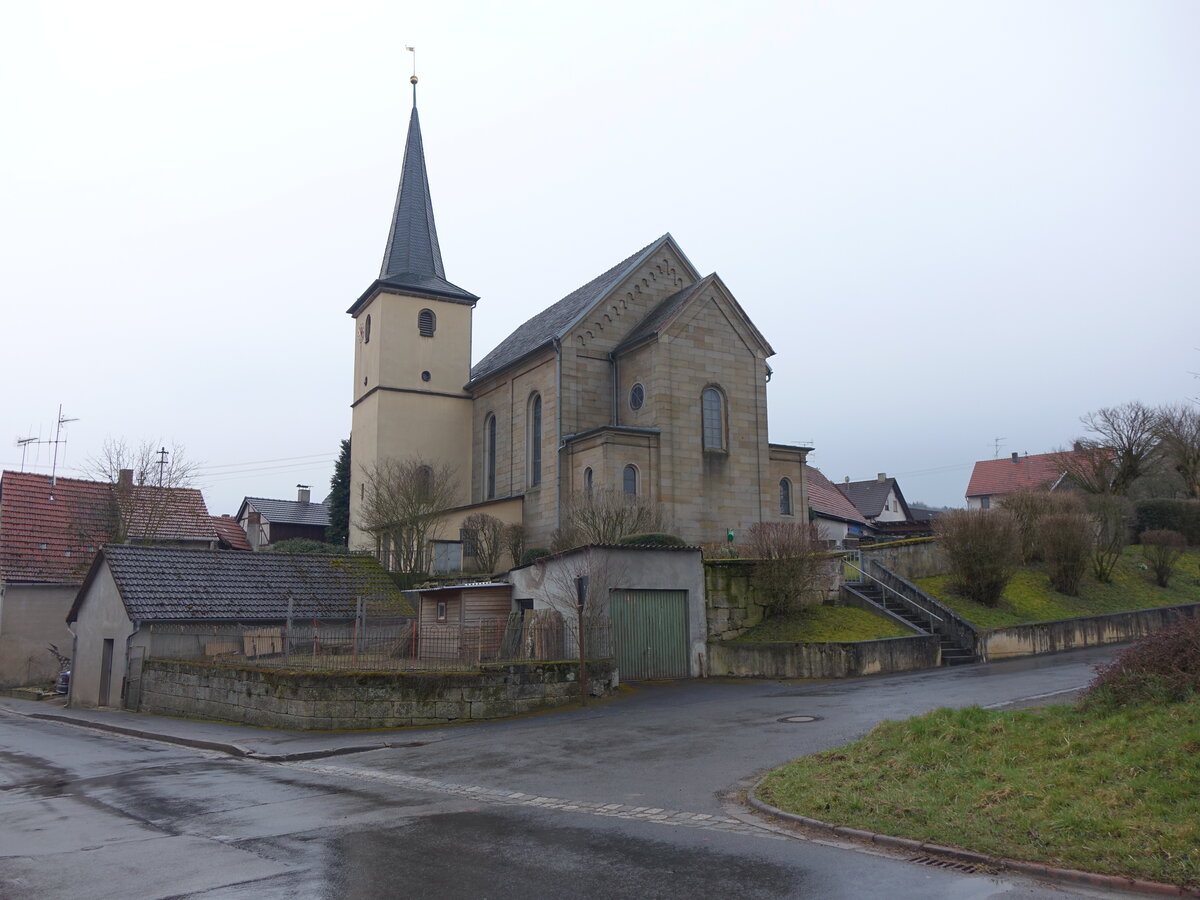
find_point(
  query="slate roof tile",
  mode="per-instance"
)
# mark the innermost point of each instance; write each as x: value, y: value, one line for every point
x: 289, y: 512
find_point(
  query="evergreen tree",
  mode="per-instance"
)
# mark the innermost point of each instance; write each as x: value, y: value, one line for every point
x: 339, y: 499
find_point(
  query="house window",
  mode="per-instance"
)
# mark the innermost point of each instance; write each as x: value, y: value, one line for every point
x: 631, y: 479
x: 785, y: 497
x: 441, y: 611
x: 426, y: 323
x: 535, y: 440
x: 367, y: 330
x: 587, y: 480
x: 985, y: 502
x: 637, y: 396
x: 712, y: 413
x: 489, y: 458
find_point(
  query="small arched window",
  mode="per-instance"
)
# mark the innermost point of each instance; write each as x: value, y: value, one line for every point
x: 631, y: 479
x: 785, y: 497
x: 367, y: 330
x: 534, y: 439
x: 712, y: 413
x: 489, y: 458
x: 587, y: 480
x: 426, y: 323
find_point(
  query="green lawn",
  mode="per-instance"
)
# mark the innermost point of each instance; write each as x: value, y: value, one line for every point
x: 819, y: 624
x: 1029, y: 597
x: 1113, y: 791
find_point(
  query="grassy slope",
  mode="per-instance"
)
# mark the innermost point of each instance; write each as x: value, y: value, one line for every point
x: 1114, y: 791
x: 1029, y: 597
x: 816, y: 624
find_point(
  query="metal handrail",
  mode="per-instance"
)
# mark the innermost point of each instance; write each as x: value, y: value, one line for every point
x: 896, y: 592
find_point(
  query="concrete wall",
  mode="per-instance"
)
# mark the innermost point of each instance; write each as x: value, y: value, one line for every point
x: 1071, y: 634
x: 354, y: 700
x: 549, y: 582
x: 914, y: 558
x: 745, y: 659
x: 31, y: 617
x: 101, y: 615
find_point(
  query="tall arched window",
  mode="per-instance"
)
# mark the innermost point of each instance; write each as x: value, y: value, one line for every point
x: 785, y: 497
x: 489, y: 458
x: 426, y: 323
x: 631, y: 479
x: 587, y: 480
x: 712, y: 413
x: 367, y: 330
x: 534, y: 440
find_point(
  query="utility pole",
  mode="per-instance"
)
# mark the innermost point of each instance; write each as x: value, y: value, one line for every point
x: 162, y: 464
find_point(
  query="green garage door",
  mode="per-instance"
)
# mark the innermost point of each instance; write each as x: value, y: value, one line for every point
x: 650, y: 634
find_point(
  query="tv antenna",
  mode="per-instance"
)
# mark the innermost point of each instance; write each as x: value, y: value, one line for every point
x: 24, y: 443
x: 58, y: 439
x: 996, y: 442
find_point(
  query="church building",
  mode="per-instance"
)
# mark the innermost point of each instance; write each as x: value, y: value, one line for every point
x: 650, y: 380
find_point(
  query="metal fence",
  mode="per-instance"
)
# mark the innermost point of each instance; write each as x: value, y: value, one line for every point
x: 391, y: 644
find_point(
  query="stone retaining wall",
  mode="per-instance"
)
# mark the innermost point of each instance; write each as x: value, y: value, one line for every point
x: 913, y: 558
x: 1071, y: 634
x: 731, y: 599
x: 359, y: 700
x: 746, y: 659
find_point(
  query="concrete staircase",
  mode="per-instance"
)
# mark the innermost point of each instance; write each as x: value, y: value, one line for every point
x: 952, y: 653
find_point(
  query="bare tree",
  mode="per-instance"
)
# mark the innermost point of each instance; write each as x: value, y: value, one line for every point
x: 792, y: 570
x: 403, y: 505
x: 514, y: 542
x: 1119, y: 450
x: 1111, y: 517
x: 578, y: 587
x: 604, y: 516
x: 144, y: 481
x: 1178, y: 433
x: 486, y: 535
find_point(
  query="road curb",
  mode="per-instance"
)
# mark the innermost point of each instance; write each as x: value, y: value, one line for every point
x: 1037, y: 870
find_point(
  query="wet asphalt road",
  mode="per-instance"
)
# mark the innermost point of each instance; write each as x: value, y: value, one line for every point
x: 88, y: 814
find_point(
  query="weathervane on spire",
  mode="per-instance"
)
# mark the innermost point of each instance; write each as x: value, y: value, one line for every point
x: 413, y: 51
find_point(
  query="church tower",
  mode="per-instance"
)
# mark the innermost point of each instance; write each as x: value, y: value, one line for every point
x: 412, y: 349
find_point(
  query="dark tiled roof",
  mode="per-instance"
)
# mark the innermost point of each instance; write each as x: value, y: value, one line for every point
x: 664, y: 312
x: 51, y: 534
x: 869, y: 496
x: 167, y: 584
x: 230, y: 533
x: 826, y: 500
x: 1005, y: 475
x: 288, y: 512
x: 555, y: 321
x: 412, y: 244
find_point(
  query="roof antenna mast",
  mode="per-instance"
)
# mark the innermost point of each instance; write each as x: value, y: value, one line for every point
x: 58, y: 439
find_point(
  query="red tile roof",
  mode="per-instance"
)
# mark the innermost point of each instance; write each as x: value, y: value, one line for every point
x: 826, y: 500
x: 1006, y: 475
x: 230, y: 533
x: 51, y: 533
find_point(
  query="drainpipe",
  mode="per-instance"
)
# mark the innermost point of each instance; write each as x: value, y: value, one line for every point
x: 558, y: 406
x: 616, y: 406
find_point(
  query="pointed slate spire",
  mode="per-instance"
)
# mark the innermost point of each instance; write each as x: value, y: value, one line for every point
x: 412, y: 244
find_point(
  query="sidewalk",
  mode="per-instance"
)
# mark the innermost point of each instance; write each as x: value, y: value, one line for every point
x: 237, y: 740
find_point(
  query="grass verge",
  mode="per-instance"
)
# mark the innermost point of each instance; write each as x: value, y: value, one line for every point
x: 1111, y: 790
x: 819, y: 624
x: 1030, y: 598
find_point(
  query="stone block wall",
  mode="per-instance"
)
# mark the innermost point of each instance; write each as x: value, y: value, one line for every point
x: 324, y: 701
x: 732, y: 602
x: 914, y: 558
x: 747, y: 659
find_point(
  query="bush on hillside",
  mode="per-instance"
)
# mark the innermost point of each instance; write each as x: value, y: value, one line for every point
x: 983, y: 548
x: 1161, y: 549
x: 652, y: 539
x: 1028, y: 508
x: 792, y: 570
x: 1111, y: 516
x: 1066, y: 541
x: 1173, y: 515
x: 1164, y: 666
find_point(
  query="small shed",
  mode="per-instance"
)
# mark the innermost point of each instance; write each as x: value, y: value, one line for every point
x: 210, y: 595
x: 466, y: 622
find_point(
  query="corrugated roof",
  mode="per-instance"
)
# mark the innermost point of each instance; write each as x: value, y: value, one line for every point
x: 51, y: 533
x: 826, y: 500
x: 1006, y: 475
x: 289, y: 512
x: 168, y: 584
x: 555, y: 321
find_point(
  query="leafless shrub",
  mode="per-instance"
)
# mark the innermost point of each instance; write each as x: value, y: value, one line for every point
x: 1162, y: 549
x: 793, y: 571
x: 1029, y: 507
x: 1110, y: 516
x: 486, y: 536
x: 403, y: 506
x: 514, y: 542
x: 983, y: 548
x: 1066, y: 540
x: 603, y: 516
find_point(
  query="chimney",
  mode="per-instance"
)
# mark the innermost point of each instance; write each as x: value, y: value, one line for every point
x: 1077, y: 447
x: 1015, y: 457
x: 882, y: 476
x: 125, y: 478
x: 846, y: 479
x: 303, y: 494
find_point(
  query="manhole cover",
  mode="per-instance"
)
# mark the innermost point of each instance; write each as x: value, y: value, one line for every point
x: 799, y: 720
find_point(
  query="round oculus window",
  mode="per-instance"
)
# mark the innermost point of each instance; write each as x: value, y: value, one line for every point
x: 637, y: 396
x: 425, y: 376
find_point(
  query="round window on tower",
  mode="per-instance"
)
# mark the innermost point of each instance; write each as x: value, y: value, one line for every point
x: 637, y: 396
x: 425, y: 376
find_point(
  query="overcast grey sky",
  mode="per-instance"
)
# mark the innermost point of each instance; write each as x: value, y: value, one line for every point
x: 954, y: 221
